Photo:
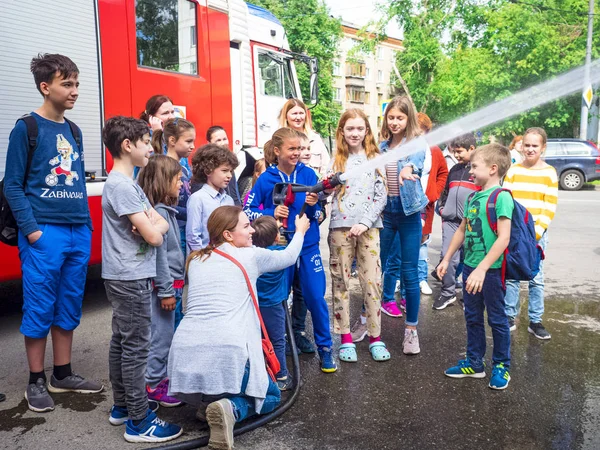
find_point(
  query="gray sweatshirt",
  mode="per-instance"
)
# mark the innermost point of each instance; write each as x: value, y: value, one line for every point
x: 364, y: 198
x: 220, y: 332
x: 170, y: 262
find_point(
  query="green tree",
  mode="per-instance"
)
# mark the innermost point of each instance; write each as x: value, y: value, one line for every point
x: 310, y: 30
x: 464, y: 54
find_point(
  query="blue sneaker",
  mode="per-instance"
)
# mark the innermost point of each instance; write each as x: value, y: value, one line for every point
x: 328, y: 364
x: 500, y: 377
x: 151, y: 429
x: 303, y: 344
x: 464, y: 369
x: 119, y: 414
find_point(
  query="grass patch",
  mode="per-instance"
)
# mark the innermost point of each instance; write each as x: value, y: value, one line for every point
x: 597, y: 182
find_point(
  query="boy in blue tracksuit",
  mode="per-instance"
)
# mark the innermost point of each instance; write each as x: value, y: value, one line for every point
x: 49, y: 204
x: 272, y: 289
x: 286, y: 146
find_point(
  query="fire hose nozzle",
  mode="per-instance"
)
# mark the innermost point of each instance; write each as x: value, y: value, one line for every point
x: 327, y: 183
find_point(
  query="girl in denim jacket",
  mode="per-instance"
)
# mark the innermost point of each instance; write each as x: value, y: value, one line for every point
x: 401, y: 234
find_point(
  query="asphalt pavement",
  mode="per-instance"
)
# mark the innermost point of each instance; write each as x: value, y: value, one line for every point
x: 552, y: 402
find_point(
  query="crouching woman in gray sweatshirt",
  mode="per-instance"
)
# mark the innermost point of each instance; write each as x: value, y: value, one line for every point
x: 216, y: 360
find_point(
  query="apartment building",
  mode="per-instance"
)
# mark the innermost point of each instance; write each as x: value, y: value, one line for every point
x: 363, y: 80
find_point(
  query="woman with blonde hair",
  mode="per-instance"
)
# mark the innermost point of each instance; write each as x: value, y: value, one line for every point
x: 294, y: 114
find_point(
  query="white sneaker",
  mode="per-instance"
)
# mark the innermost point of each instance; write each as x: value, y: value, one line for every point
x: 425, y: 289
x: 411, y: 342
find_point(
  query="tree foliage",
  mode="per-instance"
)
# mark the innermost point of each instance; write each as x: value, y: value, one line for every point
x: 464, y: 54
x: 310, y: 30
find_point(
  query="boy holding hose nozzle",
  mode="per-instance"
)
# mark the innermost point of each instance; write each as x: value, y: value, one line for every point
x: 286, y: 146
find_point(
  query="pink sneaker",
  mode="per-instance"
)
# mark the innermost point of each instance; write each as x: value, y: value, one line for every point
x: 160, y: 395
x: 391, y: 309
x: 403, y: 304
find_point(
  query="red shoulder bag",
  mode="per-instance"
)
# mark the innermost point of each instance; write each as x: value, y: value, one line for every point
x: 271, y: 361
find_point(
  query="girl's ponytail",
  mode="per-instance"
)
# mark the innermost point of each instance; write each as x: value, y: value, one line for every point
x: 157, y: 141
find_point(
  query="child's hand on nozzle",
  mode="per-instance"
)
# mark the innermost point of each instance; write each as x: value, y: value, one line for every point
x: 357, y: 230
x: 312, y: 199
x: 442, y: 268
x: 281, y: 212
x: 302, y: 224
x: 168, y: 304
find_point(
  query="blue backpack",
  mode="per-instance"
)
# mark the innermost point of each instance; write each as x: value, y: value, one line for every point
x: 523, y: 255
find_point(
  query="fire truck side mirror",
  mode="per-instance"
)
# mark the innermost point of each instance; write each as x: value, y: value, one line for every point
x: 314, y: 81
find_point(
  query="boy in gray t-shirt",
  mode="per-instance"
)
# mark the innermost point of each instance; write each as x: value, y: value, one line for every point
x: 131, y: 230
x: 125, y: 255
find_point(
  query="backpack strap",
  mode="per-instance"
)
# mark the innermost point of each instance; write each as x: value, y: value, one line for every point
x: 491, y: 208
x: 32, y: 134
x: 75, y: 132
x: 493, y: 221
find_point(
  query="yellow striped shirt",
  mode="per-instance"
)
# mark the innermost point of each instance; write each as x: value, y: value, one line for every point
x: 536, y: 190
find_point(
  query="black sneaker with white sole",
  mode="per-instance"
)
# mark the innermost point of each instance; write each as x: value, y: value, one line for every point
x: 38, y: 398
x: 511, y: 324
x: 538, y: 330
x: 442, y: 302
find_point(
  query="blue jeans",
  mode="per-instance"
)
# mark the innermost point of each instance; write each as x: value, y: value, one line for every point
x: 536, y: 292
x: 424, y: 259
x: 274, y: 319
x: 243, y: 405
x: 408, y: 229
x: 491, y: 298
x: 394, y: 268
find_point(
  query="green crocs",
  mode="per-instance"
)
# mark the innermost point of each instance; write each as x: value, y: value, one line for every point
x: 379, y: 352
x: 348, y: 353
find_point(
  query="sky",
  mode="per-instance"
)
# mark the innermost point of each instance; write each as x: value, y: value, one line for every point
x: 360, y: 12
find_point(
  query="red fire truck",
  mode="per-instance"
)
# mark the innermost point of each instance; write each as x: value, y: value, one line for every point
x: 222, y: 62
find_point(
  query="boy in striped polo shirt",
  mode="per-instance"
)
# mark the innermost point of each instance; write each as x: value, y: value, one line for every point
x: 534, y: 184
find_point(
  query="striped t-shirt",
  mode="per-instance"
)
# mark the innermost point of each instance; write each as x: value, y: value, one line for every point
x: 391, y: 174
x: 537, y: 190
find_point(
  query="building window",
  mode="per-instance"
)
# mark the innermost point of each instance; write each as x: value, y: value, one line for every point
x: 380, y: 53
x: 355, y: 70
x: 380, y: 76
x: 367, y: 73
x: 355, y: 95
x: 162, y: 29
x: 337, y: 94
x: 193, y: 36
x: 367, y: 97
x: 336, y: 69
x: 379, y: 99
